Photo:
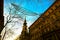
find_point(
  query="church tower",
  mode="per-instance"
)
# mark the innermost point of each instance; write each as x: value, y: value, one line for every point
x: 24, y: 30
x: 24, y: 34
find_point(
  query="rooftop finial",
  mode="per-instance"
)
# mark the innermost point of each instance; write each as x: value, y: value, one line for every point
x: 25, y: 21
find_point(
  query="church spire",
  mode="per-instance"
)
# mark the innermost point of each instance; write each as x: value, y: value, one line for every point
x: 24, y: 34
x: 25, y: 24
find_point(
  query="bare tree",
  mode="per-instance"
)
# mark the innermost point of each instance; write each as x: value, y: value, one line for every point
x: 8, y: 20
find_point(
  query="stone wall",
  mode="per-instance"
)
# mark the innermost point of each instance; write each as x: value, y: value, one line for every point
x: 47, y: 23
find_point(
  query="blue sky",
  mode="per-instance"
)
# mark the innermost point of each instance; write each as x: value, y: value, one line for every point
x: 37, y: 6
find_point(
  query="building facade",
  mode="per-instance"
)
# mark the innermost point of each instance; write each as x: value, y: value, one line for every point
x: 1, y: 17
x: 47, y: 27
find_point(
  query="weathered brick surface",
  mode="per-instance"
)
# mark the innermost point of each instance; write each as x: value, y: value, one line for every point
x: 49, y: 21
